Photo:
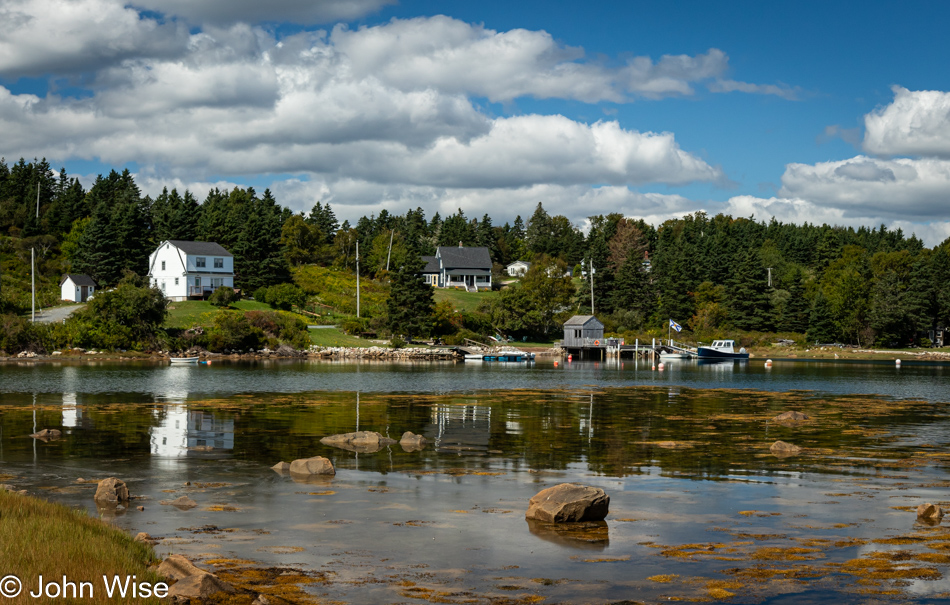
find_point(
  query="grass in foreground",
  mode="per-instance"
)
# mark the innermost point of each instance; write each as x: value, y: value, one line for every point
x: 41, y: 538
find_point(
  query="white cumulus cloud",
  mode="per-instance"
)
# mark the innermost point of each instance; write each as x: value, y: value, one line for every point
x: 901, y: 187
x: 914, y: 123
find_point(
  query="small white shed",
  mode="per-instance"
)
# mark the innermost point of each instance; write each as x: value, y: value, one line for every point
x: 518, y: 268
x: 76, y: 288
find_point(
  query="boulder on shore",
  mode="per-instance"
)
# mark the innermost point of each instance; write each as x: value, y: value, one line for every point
x: 47, y: 434
x: 411, y: 442
x: 112, y: 491
x: 318, y: 465
x: 201, y: 586
x: 281, y: 467
x: 567, y: 503
x: 363, y: 442
x: 177, y: 567
x: 929, y: 511
x: 790, y: 417
x: 781, y: 448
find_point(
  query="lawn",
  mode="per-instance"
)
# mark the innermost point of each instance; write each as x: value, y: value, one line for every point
x: 334, y: 337
x: 185, y: 314
x: 462, y: 300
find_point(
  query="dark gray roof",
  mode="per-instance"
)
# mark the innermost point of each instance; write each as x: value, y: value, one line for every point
x: 432, y: 265
x: 580, y: 320
x: 465, y: 258
x: 79, y: 279
x: 208, y: 248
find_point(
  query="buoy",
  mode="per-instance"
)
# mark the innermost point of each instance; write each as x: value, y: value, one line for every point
x: 768, y: 363
x: 654, y: 367
x: 555, y: 364
x: 661, y: 366
x: 570, y: 358
x: 897, y: 362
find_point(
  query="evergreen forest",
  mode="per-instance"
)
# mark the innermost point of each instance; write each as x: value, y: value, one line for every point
x: 714, y: 275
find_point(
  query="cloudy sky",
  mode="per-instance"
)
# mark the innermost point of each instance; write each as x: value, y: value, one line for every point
x: 806, y: 111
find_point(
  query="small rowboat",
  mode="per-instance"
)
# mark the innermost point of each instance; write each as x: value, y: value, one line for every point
x: 179, y: 360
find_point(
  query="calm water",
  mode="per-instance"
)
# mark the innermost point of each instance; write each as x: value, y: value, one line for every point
x: 700, y: 509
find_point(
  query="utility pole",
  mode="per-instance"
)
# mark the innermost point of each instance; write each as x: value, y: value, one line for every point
x: 592, y: 286
x: 357, y: 279
x: 32, y: 258
x: 390, y: 253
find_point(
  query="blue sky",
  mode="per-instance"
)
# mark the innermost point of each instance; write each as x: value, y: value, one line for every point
x: 820, y: 112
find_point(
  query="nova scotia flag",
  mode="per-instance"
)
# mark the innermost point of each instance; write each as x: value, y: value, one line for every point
x: 676, y: 326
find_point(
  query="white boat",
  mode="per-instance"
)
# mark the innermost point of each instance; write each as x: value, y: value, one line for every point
x: 675, y: 355
x: 721, y: 350
x: 178, y: 360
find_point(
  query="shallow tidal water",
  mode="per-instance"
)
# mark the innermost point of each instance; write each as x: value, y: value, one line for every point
x: 700, y: 509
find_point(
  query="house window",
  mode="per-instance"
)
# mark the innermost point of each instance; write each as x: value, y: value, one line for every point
x: 199, y: 261
x: 163, y: 265
x: 219, y: 263
x: 577, y: 333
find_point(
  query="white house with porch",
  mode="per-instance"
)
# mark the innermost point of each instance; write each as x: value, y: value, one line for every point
x: 460, y: 267
x: 76, y: 287
x: 184, y: 270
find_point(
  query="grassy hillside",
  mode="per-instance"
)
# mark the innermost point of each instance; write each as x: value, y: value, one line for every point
x: 462, y: 300
x: 185, y: 314
x: 337, y: 290
x: 334, y: 337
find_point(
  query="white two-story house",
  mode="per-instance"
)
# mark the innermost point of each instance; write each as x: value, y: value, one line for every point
x: 184, y: 270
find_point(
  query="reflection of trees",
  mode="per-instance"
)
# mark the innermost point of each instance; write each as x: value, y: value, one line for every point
x: 616, y: 432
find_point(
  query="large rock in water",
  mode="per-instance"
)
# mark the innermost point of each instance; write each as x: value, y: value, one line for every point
x: 318, y: 465
x: 781, y: 448
x: 790, y: 417
x: 47, y: 434
x: 929, y: 511
x: 364, y: 442
x: 412, y: 442
x: 112, y: 491
x: 568, y: 502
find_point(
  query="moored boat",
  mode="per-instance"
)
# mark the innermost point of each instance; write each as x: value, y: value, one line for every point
x: 178, y: 360
x: 721, y: 350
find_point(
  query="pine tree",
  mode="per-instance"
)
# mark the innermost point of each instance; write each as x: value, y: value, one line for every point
x: 821, y: 322
x: 795, y: 314
x: 410, y: 304
x: 748, y: 296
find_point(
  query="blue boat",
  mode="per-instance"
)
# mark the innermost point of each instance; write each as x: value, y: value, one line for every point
x: 721, y: 350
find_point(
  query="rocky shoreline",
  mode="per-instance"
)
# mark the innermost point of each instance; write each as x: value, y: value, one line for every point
x: 282, y: 352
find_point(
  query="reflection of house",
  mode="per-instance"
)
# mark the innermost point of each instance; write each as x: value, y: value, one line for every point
x: 460, y: 267
x: 72, y: 415
x: 190, y: 269
x: 179, y: 429
x: 77, y: 288
x: 583, y: 330
x: 518, y: 268
x: 460, y: 428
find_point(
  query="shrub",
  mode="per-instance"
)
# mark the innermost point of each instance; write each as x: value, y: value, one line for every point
x: 397, y: 343
x: 285, y: 296
x: 260, y: 295
x: 223, y: 297
x: 231, y: 330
